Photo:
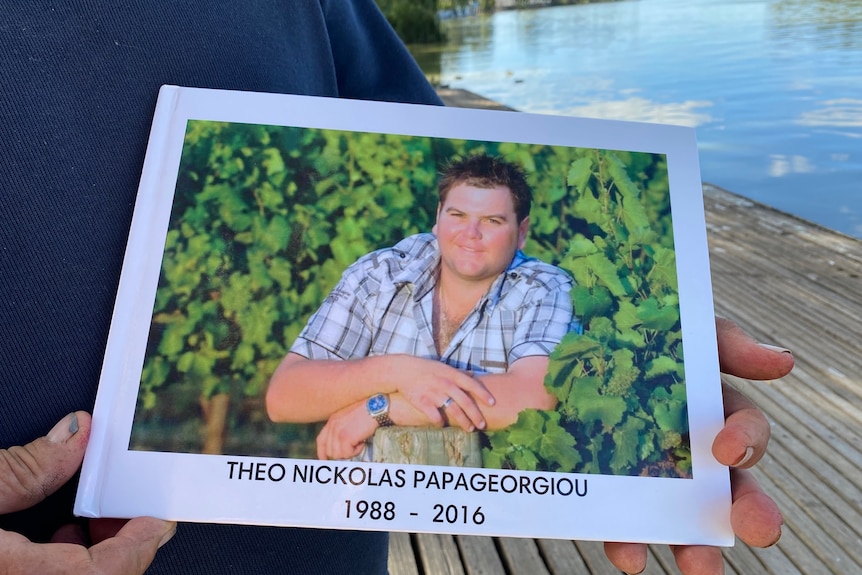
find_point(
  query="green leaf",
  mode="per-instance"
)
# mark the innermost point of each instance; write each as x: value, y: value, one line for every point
x: 658, y: 318
x: 661, y: 365
x: 574, y: 346
x: 527, y: 431
x: 593, y: 407
x: 558, y: 446
x: 607, y: 272
x: 591, y: 302
x: 579, y: 174
x: 626, y: 446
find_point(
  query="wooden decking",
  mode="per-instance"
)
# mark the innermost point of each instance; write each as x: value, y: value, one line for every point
x: 787, y: 282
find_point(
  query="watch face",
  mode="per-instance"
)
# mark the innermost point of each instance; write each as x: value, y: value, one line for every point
x: 377, y: 403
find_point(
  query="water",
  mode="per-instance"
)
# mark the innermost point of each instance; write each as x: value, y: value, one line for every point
x: 774, y: 88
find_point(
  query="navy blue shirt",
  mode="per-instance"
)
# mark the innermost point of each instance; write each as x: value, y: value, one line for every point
x: 78, y: 86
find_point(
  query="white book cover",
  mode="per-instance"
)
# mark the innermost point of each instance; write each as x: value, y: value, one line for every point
x: 250, y: 242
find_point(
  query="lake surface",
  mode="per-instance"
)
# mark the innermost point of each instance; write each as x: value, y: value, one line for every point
x: 774, y: 88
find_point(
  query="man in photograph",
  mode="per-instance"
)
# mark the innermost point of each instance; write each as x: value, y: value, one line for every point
x: 452, y: 327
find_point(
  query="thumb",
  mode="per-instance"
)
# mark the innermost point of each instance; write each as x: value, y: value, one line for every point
x: 31, y: 473
x: 742, y: 356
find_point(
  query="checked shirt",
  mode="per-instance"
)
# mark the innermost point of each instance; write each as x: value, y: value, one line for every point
x: 383, y: 305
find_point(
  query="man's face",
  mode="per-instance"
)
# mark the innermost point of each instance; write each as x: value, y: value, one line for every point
x: 478, y: 232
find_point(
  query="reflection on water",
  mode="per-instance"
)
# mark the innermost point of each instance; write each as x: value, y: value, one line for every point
x: 773, y: 87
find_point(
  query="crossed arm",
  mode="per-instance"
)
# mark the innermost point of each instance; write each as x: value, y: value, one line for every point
x: 304, y: 390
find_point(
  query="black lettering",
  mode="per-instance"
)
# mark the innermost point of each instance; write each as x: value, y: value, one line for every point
x: 461, y: 483
x: 317, y: 474
x: 400, y: 480
x: 260, y: 472
x: 231, y: 463
x: 242, y: 470
x: 578, y: 490
x: 433, y: 480
x: 477, y: 482
x: 361, y: 476
x: 339, y: 475
x: 511, y: 489
x: 277, y: 476
x: 418, y: 477
x: 525, y: 484
x: 371, y: 479
x: 303, y: 474
x: 448, y: 477
x: 540, y: 485
x: 492, y: 483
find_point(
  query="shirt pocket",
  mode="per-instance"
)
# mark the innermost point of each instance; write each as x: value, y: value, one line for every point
x: 492, y: 343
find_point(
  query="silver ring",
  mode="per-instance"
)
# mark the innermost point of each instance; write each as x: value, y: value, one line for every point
x: 446, y: 403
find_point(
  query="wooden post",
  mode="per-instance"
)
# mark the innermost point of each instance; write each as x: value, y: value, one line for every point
x: 427, y: 446
x: 215, y: 411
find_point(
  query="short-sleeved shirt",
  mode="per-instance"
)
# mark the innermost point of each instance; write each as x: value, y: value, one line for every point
x: 384, y: 303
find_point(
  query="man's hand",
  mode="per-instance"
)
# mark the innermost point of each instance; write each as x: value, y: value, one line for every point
x: 429, y: 385
x: 345, y: 433
x: 29, y: 474
x: 755, y: 518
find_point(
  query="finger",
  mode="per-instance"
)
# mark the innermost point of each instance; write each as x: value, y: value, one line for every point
x: 30, y: 473
x: 129, y: 553
x: 699, y: 560
x: 741, y: 356
x: 103, y: 528
x: 754, y: 516
x: 132, y: 550
x: 342, y: 446
x: 455, y: 417
x: 465, y: 412
x: 474, y: 387
x: 627, y: 557
x: 70, y: 533
x: 322, y: 442
x: 743, y: 440
x: 429, y: 409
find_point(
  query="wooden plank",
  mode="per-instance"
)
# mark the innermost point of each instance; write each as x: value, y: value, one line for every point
x: 830, y: 535
x: 522, y: 556
x: 480, y: 555
x: 811, y: 440
x: 402, y: 560
x: 439, y: 554
x: 802, y: 539
x: 561, y: 556
x: 593, y: 554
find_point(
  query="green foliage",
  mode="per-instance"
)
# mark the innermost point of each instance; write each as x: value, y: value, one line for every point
x: 620, y: 383
x: 415, y: 21
x: 265, y: 219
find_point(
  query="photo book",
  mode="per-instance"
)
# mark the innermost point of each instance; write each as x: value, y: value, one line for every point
x: 377, y: 316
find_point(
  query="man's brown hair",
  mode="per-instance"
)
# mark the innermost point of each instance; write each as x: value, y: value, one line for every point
x: 484, y: 171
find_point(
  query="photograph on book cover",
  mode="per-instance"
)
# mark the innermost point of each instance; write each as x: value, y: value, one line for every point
x: 379, y: 316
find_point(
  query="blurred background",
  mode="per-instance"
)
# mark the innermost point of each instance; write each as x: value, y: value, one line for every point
x: 773, y: 87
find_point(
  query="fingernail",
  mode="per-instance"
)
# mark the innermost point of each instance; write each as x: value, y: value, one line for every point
x: 749, y: 452
x: 775, y: 348
x: 777, y: 539
x: 64, y: 429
